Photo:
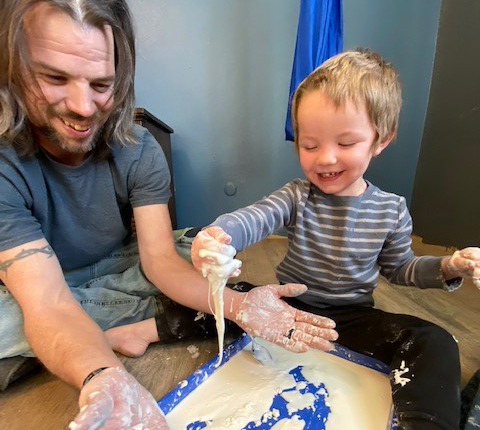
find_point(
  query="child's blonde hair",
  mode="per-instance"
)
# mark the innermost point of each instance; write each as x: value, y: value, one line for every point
x: 360, y: 76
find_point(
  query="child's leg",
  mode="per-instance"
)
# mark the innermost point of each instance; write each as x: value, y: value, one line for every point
x: 429, y: 398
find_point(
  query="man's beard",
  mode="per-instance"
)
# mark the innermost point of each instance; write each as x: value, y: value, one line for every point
x: 79, y: 146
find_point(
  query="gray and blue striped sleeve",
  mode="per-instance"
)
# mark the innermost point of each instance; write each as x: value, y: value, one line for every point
x: 253, y: 223
x: 399, y: 265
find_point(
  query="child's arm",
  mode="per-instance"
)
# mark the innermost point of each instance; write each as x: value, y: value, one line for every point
x: 253, y: 223
x: 400, y: 266
x: 236, y: 230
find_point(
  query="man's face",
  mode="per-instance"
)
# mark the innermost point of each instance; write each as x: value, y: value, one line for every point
x: 73, y: 65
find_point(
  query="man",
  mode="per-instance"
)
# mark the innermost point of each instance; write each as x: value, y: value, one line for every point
x: 72, y: 170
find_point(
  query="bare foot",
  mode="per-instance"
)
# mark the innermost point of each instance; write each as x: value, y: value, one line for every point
x: 132, y: 340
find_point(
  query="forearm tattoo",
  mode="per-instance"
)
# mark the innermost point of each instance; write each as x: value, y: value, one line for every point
x: 24, y: 253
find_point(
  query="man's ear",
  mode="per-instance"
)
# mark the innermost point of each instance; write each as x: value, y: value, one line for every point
x: 382, y: 145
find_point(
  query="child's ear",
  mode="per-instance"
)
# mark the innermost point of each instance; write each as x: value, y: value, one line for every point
x: 382, y: 145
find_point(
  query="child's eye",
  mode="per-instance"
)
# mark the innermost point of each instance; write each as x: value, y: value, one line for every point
x: 308, y: 148
x: 346, y: 144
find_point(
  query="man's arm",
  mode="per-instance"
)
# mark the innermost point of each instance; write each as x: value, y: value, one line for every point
x: 162, y: 265
x: 62, y: 335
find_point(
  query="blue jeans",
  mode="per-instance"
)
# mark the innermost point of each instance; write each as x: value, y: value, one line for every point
x: 114, y: 291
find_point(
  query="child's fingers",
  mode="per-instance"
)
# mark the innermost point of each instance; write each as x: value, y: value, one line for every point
x: 460, y: 264
x: 226, y: 270
x: 218, y: 234
x: 290, y: 290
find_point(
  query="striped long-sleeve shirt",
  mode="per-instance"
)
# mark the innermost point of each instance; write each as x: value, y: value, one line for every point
x: 337, y: 245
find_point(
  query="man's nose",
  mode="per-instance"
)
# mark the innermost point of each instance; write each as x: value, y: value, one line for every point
x: 80, y: 100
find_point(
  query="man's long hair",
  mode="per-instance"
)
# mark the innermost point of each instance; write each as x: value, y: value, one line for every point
x: 15, y: 126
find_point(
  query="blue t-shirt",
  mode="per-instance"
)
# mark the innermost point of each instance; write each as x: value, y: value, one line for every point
x: 85, y: 211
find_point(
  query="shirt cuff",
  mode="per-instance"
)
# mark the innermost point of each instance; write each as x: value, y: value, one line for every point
x: 452, y: 284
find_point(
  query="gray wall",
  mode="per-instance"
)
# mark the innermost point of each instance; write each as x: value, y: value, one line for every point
x: 404, y: 31
x: 218, y: 72
x: 446, y: 202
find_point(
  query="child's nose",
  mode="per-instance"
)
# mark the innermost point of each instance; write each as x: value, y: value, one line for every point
x: 326, y: 156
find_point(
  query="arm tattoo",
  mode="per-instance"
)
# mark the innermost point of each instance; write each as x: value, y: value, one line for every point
x: 24, y: 253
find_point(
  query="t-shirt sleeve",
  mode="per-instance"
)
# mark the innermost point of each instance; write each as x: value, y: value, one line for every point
x: 18, y: 225
x: 151, y: 179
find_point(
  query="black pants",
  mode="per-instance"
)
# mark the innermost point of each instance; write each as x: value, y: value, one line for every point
x: 431, y: 400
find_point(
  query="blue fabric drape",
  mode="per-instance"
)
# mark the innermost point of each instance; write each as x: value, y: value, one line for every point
x: 319, y: 36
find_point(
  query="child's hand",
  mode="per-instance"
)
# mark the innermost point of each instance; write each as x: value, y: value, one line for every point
x: 211, y: 252
x: 464, y: 263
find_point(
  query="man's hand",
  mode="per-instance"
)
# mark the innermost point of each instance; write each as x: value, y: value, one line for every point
x: 464, y: 263
x: 211, y: 253
x: 114, y: 400
x: 263, y: 313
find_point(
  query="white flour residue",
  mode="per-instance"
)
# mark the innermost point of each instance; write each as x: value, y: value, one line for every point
x: 193, y: 350
x: 242, y: 391
x: 274, y: 413
x: 397, y: 374
x: 294, y: 423
x: 200, y: 316
x: 297, y: 401
x: 301, y: 385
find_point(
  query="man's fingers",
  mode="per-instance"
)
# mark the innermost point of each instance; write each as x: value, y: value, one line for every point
x: 286, y: 342
x: 95, y: 413
x: 291, y: 290
x: 312, y: 341
x: 316, y: 320
x: 292, y: 344
x: 325, y: 333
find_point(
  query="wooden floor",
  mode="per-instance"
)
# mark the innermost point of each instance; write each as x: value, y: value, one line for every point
x: 42, y: 402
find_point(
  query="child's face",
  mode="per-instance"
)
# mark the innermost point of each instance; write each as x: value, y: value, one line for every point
x: 335, y: 144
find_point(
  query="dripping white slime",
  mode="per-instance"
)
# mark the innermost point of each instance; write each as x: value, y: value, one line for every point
x: 217, y: 279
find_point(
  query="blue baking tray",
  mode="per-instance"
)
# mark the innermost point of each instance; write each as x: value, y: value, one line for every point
x: 315, y: 418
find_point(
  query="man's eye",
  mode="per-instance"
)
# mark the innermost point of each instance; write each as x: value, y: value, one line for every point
x: 100, y: 87
x: 55, y: 79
